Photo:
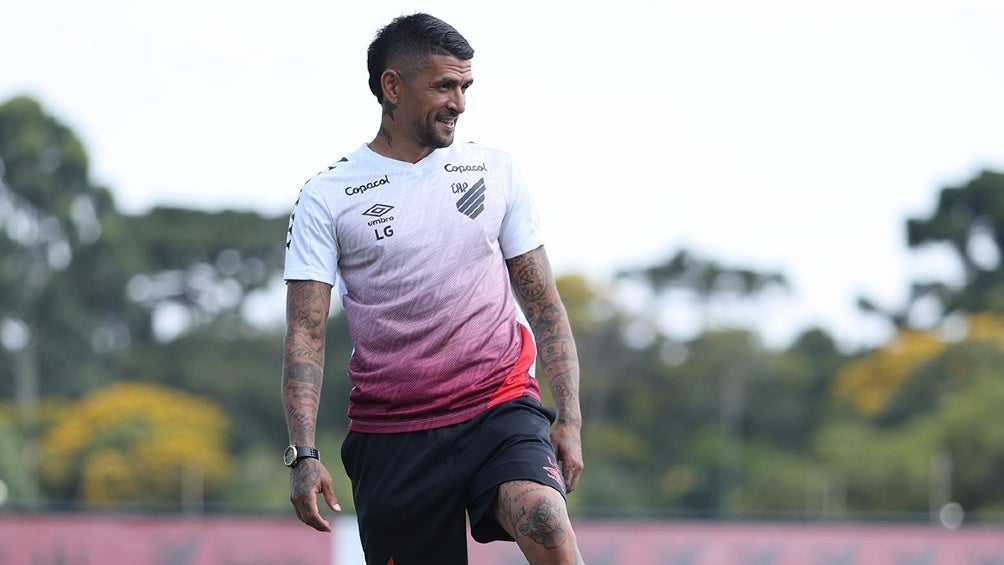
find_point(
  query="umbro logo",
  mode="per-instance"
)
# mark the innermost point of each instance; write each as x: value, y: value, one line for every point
x: 379, y: 214
x: 378, y: 210
x: 472, y: 203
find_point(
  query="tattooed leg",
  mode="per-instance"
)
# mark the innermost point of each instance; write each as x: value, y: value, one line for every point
x: 536, y: 517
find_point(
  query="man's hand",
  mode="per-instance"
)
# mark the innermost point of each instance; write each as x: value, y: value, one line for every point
x: 568, y: 447
x: 306, y: 480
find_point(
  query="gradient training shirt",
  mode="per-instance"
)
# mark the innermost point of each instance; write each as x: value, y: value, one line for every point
x: 418, y: 253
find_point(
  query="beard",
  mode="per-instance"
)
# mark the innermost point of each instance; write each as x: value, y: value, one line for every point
x: 430, y: 132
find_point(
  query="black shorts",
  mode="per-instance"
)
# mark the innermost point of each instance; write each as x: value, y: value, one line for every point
x: 411, y: 490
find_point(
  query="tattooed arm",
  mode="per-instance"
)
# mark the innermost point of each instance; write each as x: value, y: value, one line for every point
x: 307, y: 305
x: 536, y: 292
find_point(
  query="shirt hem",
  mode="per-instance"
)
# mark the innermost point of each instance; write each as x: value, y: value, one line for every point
x: 370, y: 427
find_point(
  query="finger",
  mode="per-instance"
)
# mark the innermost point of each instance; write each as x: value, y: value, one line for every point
x: 312, y: 517
x: 571, y: 471
x: 571, y: 480
x: 331, y: 500
x: 306, y: 510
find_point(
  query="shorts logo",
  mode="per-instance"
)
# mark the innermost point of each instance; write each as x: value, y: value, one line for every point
x: 472, y: 203
x: 553, y: 471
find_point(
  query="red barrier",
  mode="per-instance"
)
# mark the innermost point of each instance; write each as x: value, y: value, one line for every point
x: 72, y: 539
x: 724, y: 543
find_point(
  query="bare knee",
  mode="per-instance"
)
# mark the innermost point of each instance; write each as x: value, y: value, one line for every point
x: 536, y: 516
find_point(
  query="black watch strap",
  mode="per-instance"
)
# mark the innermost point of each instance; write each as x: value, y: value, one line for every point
x: 293, y: 453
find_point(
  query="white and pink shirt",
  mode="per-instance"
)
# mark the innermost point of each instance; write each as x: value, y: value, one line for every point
x: 417, y: 252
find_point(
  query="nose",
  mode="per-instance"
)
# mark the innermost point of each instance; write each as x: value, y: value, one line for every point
x: 457, y: 101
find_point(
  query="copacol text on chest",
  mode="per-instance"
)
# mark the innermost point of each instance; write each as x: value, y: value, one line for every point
x: 353, y: 190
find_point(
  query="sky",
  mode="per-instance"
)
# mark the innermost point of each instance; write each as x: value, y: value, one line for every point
x: 780, y: 135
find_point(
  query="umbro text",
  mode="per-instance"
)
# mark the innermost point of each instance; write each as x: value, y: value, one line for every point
x: 380, y: 221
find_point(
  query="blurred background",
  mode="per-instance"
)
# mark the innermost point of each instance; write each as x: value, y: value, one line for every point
x: 778, y: 228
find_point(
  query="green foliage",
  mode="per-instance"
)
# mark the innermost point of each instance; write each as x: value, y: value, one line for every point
x: 967, y: 424
x: 883, y: 470
x: 15, y: 477
x: 781, y: 481
x: 62, y: 280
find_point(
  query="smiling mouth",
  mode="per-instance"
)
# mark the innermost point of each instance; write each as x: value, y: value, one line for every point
x: 450, y: 122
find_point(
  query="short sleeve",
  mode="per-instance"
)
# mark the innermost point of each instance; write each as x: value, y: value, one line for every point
x: 311, y: 245
x: 520, y: 232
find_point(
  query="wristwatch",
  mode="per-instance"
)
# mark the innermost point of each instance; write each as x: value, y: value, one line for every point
x: 293, y: 453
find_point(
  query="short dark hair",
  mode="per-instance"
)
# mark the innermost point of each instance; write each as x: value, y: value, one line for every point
x: 406, y: 42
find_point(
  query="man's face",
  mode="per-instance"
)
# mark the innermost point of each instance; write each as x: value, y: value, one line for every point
x: 433, y: 98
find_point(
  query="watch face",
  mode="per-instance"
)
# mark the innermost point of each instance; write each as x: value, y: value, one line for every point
x: 289, y: 456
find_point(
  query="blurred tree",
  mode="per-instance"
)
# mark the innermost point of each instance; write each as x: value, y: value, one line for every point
x: 13, y: 474
x: 134, y: 442
x: 705, y: 278
x: 872, y: 381
x: 64, y: 318
x: 706, y: 282
x: 967, y: 423
x: 927, y: 434
x: 613, y: 449
x: 698, y: 404
x: 968, y: 220
x: 63, y: 311
x: 881, y: 471
x: 203, y: 267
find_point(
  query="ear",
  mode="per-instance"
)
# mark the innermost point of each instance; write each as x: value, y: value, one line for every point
x: 391, y: 82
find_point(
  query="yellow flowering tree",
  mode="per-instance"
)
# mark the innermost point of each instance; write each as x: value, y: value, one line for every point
x: 872, y: 382
x: 136, y: 442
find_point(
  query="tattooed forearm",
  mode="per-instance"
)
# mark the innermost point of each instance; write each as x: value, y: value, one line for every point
x: 535, y: 290
x: 556, y: 349
x: 301, y: 394
x: 303, y: 361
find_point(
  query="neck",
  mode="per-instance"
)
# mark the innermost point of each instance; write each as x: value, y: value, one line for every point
x: 395, y: 147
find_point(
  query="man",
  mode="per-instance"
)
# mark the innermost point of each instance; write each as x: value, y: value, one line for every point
x: 431, y: 244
